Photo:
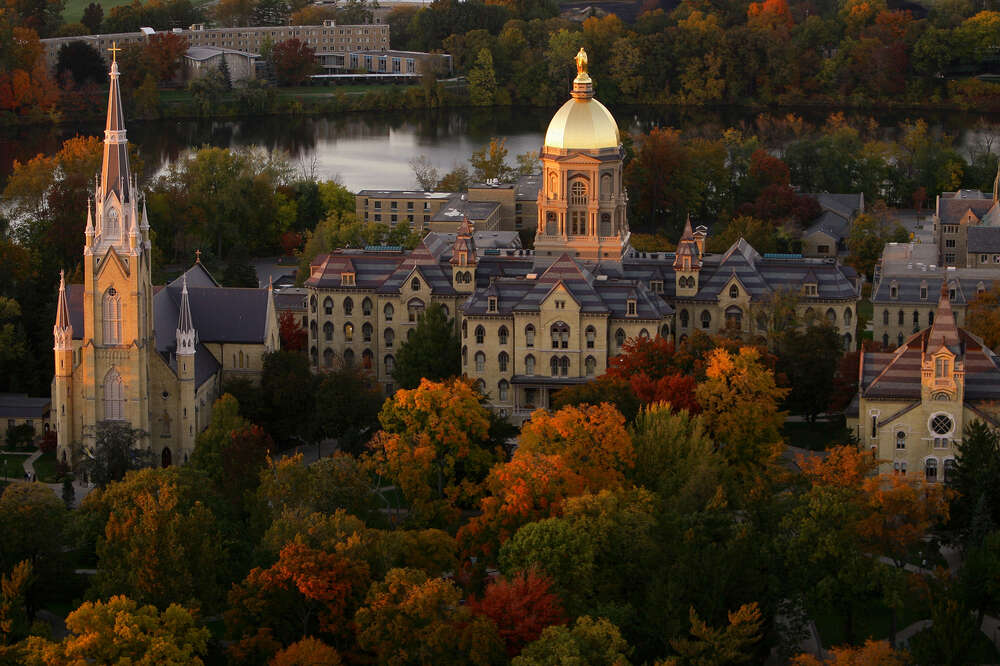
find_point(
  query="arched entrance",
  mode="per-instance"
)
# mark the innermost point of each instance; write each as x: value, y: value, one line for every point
x: 165, y: 457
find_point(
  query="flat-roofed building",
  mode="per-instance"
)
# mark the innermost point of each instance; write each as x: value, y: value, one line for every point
x: 414, y: 208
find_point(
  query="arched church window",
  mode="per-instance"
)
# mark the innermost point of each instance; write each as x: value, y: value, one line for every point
x: 607, y: 186
x: 606, y: 224
x: 348, y: 358
x: 529, y: 336
x: 480, y: 361
x: 480, y: 335
x: 327, y: 358
x: 560, y: 335
x: 112, y: 227
x: 684, y: 318
x: 591, y: 336
x: 312, y: 329
x: 847, y: 316
x: 502, y: 390
x: 734, y: 291
x: 366, y: 359
x: 390, y: 364
x: 114, y: 396
x: 551, y: 226
x: 591, y: 365
x: 312, y: 303
x: 831, y: 316
x: 502, y: 360
x: 529, y: 365
x: 389, y: 337
x: 578, y: 193
x: 414, y: 309
x: 619, y: 337
x: 706, y: 319
x: 554, y: 366
x: 112, y: 317
x: 503, y: 335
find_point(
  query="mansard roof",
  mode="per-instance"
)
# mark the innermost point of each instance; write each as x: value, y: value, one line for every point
x: 983, y: 239
x: 965, y: 281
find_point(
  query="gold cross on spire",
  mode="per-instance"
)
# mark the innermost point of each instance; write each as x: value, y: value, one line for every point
x: 114, y: 51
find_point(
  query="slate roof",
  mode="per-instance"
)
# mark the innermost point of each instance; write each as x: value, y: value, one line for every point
x: 966, y: 282
x: 290, y: 299
x: 831, y: 224
x: 527, y: 187
x: 20, y: 405
x: 846, y: 206
x: 404, y: 194
x: 984, y: 239
x: 951, y: 208
x: 459, y: 207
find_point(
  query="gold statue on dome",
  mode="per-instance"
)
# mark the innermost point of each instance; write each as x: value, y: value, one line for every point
x: 581, y: 62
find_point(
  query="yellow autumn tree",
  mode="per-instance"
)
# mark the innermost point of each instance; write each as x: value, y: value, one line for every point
x: 872, y: 652
x: 740, y: 400
x: 435, y: 446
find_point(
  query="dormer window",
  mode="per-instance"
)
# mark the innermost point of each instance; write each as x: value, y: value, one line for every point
x: 893, y: 291
x: 630, y: 307
x: 463, y: 258
x: 923, y: 291
x: 347, y: 279
x: 809, y: 289
x: 734, y: 291
x: 656, y: 286
x: 942, y: 367
x: 415, y: 284
x: 951, y: 294
x: 492, y: 306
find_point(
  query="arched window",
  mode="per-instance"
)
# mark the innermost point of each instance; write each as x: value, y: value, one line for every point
x: 529, y: 365
x: 831, y: 316
x: 930, y: 318
x: 327, y: 358
x: 949, y: 469
x: 916, y: 317
x: 899, y: 340
x: 554, y: 366
x: 665, y: 331
x: 328, y: 305
x: 415, y: 284
x: 684, y: 318
x: 847, y: 317
x: 502, y: 361
x: 591, y: 365
x: 112, y: 317
x: 389, y: 338
x: 591, y: 335
x: 885, y: 340
x: 390, y: 363
x: 619, y: 337
x: 348, y: 358
x: 480, y: 335
x: 480, y: 362
x: 314, y: 355
x: 503, y: 389
x: 328, y: 331
x: 734, y: 291
x: 414, y: 309
x: 564, y: 366
x: 388, y: 311
x: 900, y: 317
x: 885, y: 317
x: 312, y: 303
x: 502, y: 334
x: 481, y: 386
x: 241, y: 359
x: 348, y: 332
x: 529, y: 336
x: 465, y: 356
x: 348, y: 306
x: 445, y: 311
x: 366, y: 359
x: 465, y: 329
x: 560, y: 335
x: 734, y: 317
x: 847, y: 341
x: 366, y: 332
x: 706, y: 319
x: 644, y: 334
x: 930, y: 470
x: 578, y: 193
x: 900, y: 440
x: 366, y: 307
x: 114, y: 396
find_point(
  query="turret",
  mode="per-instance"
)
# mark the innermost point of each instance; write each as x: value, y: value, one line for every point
x: 687, y: 262
x: 62, y: 383
x: 88, y: 245
x: 463, y: 259
x: 186, y: 337
x: 186, y: 334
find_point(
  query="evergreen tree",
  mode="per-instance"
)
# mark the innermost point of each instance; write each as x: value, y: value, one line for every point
x: 483, y: 80
x: 432, y: 351
x: 239, y: 272
x: 227, y: 78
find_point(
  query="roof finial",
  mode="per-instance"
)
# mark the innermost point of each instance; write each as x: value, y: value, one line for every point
x: 581, y: 61
x: 114, y: 51
x: 996, y: 185
x: 197, y: 256
x: 583, y: 85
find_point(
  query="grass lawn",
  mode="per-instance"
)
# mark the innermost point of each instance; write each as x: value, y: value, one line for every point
x: 865, y: 309
x: 45, y: 468
x: 12, y: 466
x: 816, y: 436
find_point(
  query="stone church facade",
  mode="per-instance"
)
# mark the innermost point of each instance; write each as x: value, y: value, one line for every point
x: 130, y: 352
x: 533, y: 321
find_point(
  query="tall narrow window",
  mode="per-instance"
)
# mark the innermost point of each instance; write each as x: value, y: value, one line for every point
x: 502, y: 334
x: 114, y: 396
x: 529, y: 336
x: 112, y: 317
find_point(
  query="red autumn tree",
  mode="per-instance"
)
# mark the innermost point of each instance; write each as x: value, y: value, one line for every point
x: 293, y: 61
x: 674, y: 388
x: 293, y: 336
x: 164, y: 54
x: 657, y: 372
x: 521, y: 608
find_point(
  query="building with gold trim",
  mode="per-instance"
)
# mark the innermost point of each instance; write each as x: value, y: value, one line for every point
x: 129, y: 352
x: 533, y: 321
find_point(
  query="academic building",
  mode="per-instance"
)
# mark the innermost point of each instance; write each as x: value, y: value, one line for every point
x: 913, y: 403
x: 126, y: 351
x: 967, y: 228
x: 533, y: 321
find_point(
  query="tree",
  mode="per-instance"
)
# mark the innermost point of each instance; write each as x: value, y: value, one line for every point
x: 33, y: 519
x: 328, y: 485
x: 490, y: 162
x: 588, y: 641
x: 306, y: 592
x: 293, y: 61
x: 119, y: 631
x: 435, y: 447
x: 14, y: 622
x: 604, y: 389
x: 975, y: 479
x: 872, y: 652
x: 431, y: 351
x: 115, y: 453
x: 164, y: 52
x: 411, y: 619
x: 161, y: 544
x: 82, y: 61
x: 293, y: 336
x: 521, y: 607
x: 307, y: 652
x: 206, y: 92
x: 211, y: 442
x: 347, y: 407
x: 819, y: 349
x: 482, y: 80
x: 740, y: 399
x: 456, y: 180
x: 287, y: 414
x: 982, y: 317
x: 867, y: 238
x: 592, y: 439
x: 425, y: 173
x: 239, y: 271
x: 93, y: 14
x: 730, y: 645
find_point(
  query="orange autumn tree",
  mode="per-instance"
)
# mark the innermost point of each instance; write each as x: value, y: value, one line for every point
x: 521, y: 607
x: 901, y: 512
x: 872, y: 652
x: 740, y: 400
x: 306, y: 592
x: 530, y: 487
x: 307, y: 652
x: 657, y: 372
x: 591, y: 439
x: 435, y: 447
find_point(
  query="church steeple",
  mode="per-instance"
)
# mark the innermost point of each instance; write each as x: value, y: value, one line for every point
x: 63, y: 329
x: 186, y: 335
x: 944, y: 332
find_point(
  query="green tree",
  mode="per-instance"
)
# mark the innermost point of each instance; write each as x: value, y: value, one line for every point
x: 867, y: 239
x: 490, y: 162
x: 287, y: 414
x: 975, y: 511
x: 819, y: 349
x: 732, y: 644
x: 33, y: 520
x: 590, y: 641
x: 119, y: 631
x: 206, y: 92
x: 482, y: 80
x: 116, y: 452
x: 347, y: 406
x: 431, y: 351
x: 210, y: 443
x: 14, y: 622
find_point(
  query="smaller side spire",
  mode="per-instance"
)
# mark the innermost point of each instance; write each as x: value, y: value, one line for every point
x: 186, y: 334
x: 996, y: 185
x: 63, y: 329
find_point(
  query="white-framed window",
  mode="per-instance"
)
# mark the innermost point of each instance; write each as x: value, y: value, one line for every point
x: 931, y: 470
x: 900, y: 440
x: 941, y: 424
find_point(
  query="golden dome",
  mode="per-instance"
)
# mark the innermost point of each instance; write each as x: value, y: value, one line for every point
x: 582, y: 123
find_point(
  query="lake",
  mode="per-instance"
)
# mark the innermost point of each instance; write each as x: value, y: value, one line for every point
x: 373, y: 150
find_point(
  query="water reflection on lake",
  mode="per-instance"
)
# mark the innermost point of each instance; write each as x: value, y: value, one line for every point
x: 373, y: 150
